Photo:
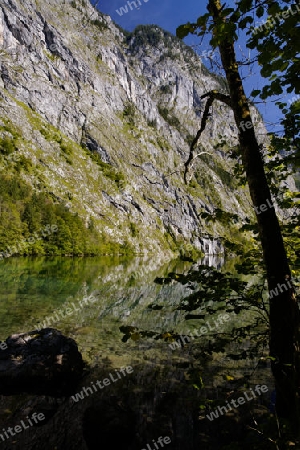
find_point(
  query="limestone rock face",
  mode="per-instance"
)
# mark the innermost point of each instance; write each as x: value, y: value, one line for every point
x: 42, y: 363
x: 67, y: 72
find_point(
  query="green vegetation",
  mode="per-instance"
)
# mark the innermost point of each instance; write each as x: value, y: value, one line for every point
x: 50, y: 134
x: 188, y: 253
x: 25, y: 214
x: 9, y: 148
x: 218, y: 168
x: 149, y: 35
x: 108, y: 171
x: 189, y: 139
x: 282, y: 317
x: 101, y: 25
x: 154, y: 36
x: 66, y: 148
x: 129, y: 113
x: 23, y: 163
x: 170, y: 118
x: 163, y: 143
x: 122, y: 30
x: 152, y: 123
x: 7, y: 145
x: 133, y: 229
x: 166, y: 89
x: 50, y: 56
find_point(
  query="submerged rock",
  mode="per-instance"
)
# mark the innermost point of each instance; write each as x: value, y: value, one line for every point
x: 41, y: 362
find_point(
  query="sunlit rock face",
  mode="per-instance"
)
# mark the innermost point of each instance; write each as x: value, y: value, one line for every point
x: 68, y: 73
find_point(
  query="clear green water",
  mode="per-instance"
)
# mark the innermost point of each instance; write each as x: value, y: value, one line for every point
x: 32, y: 289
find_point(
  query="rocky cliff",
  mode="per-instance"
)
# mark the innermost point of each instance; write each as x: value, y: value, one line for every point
x: 102, y: 120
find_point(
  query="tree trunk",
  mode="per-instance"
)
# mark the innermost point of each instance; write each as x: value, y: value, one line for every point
x: 284, y: 312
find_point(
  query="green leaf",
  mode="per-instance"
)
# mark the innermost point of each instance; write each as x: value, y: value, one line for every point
x: 227, y: 11
x: 229, y: 378
x: 245, y: 5
x: 260, y: 11
x: 243, y: 23
x: 184, y: 30
x: 284, y: 66
x: 202, y: 20
x: 255, y: 92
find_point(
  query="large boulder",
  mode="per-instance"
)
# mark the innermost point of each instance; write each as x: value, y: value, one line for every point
x: 41, y: 362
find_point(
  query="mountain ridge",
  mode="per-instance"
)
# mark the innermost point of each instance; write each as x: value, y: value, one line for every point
x: 105, y: 118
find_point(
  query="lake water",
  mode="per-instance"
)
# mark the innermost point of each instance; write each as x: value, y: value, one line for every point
x: 120, y: 292
x: 89, y: 299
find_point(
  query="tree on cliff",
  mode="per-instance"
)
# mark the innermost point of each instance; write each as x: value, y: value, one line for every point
x: 223, y: 24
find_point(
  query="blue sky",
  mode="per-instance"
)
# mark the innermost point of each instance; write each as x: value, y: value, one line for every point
x: 166, y: 13
x: 169, y: 14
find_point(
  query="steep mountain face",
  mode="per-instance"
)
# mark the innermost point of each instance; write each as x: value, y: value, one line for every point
x: 103, y: 120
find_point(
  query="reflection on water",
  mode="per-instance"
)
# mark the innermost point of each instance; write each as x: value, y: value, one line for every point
x: 216, y: 261
x: 32, y: 289
x: 166, y: 387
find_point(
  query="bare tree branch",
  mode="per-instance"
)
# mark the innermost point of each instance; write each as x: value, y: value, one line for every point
x: 212, y: 95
